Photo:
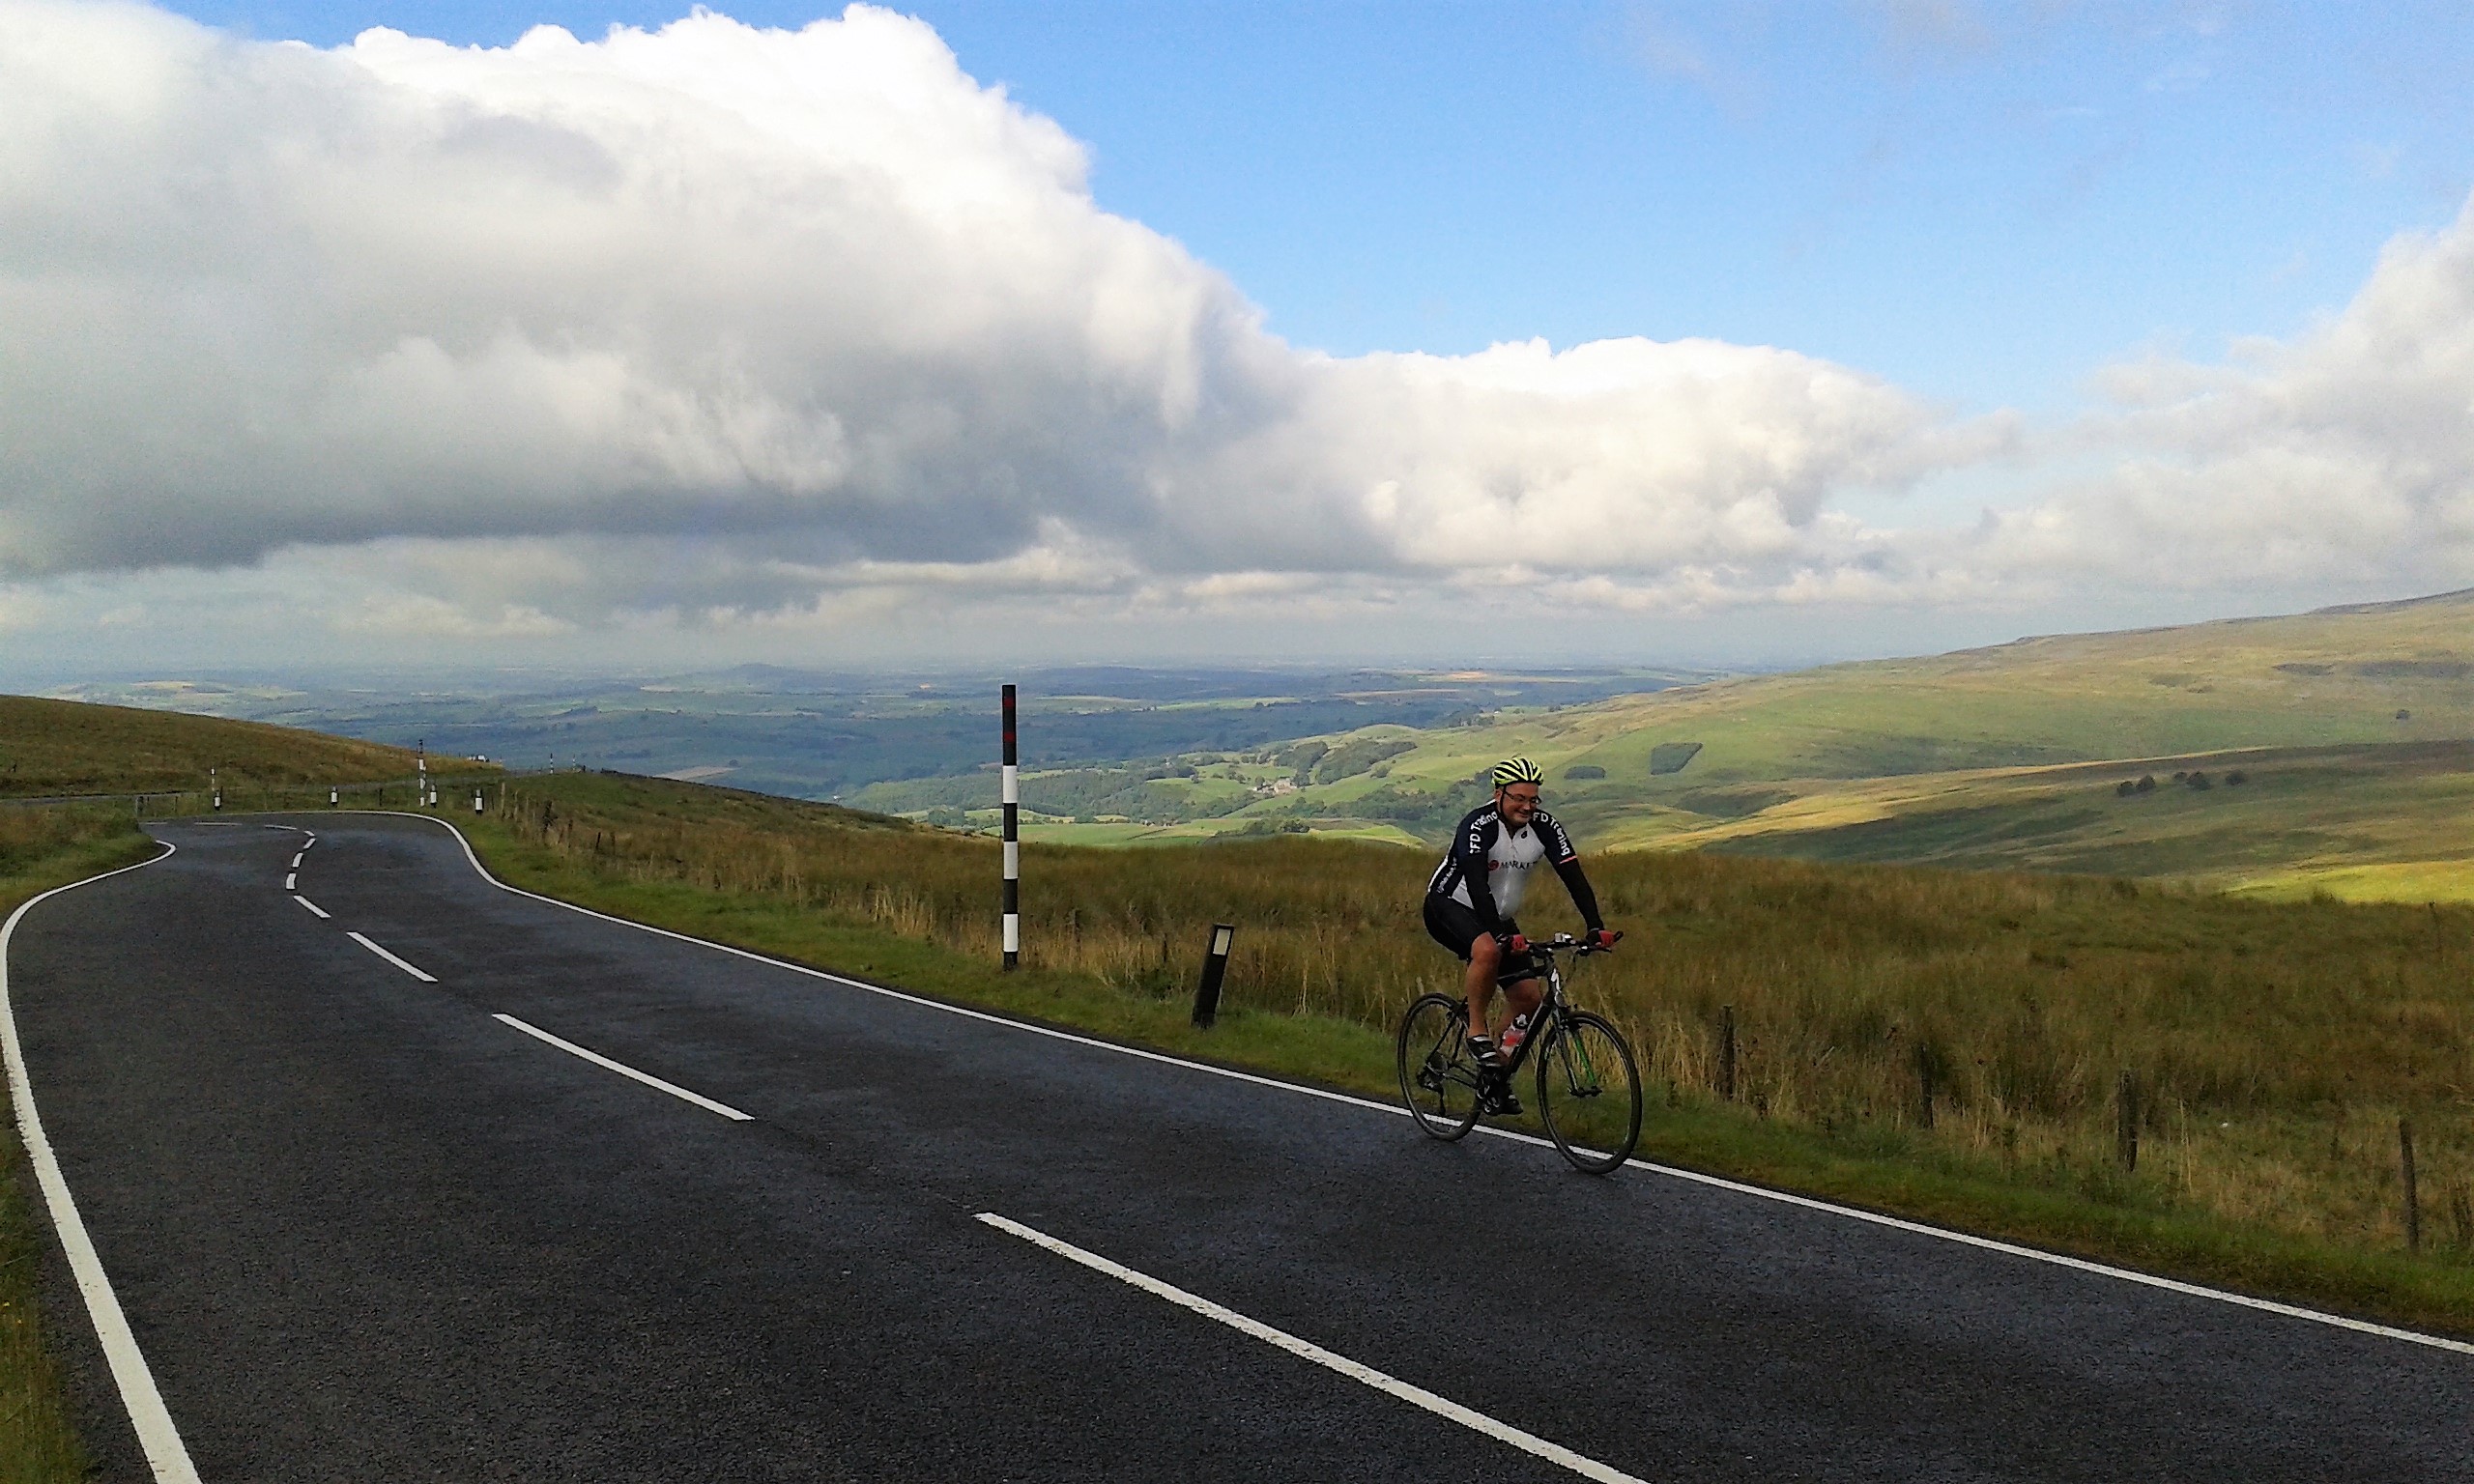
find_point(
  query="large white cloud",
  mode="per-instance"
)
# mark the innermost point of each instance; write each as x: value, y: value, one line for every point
x: 808, y: 330
x: 2342, y: 458
x: 733, y: 316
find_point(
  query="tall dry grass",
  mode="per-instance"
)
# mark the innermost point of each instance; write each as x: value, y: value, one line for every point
x: 2276, y: 1044
x: 32, y: 835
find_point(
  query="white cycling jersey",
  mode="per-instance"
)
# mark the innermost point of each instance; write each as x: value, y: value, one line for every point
x: 1510, y: 854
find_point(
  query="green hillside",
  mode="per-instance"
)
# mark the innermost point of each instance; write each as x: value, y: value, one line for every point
x: 54, y: 748
x: 2347, y: 719
x: 2387, y: 821
x: 2335, y: 677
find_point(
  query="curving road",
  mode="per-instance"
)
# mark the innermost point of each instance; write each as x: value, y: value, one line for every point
x: 373, y: 1215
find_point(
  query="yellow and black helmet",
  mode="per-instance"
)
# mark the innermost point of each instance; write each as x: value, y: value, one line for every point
x: 1517, y: 770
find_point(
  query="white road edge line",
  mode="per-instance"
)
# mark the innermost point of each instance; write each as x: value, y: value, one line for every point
x: 1716, y: 1182
x: 626, y: 1071
x: 311, y: 905
x: 1391, y: 1386
x: 427, y: 979
x: 156, y: 1435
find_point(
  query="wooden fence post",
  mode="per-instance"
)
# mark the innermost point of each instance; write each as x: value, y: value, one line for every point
x: 1727, y: 1053
x: 2126, y: 1120
x: 2413, y: 1204
x: 1924, y: 1084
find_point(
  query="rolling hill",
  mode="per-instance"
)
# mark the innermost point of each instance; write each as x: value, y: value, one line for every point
x: 2350, y: 726
x: 66, y: 748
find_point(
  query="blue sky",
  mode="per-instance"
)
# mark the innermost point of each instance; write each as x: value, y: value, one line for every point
x: 1980, y: 203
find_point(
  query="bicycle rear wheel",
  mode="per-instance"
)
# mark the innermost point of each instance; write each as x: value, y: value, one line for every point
x: 1438, y: 1076
x: 1589, y: 1092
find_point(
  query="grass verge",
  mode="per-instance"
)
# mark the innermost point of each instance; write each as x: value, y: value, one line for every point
x: 2067, y: 1208
x: 39, y: 1444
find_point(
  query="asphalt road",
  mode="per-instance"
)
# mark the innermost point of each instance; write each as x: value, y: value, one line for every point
x: 363, y: 1229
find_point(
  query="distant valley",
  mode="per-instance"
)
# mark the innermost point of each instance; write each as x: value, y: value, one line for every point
x: 2323, y: 752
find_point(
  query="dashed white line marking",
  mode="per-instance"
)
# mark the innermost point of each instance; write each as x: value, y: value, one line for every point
x: 1391, y: 1386
x: 311, y: 905
x: 1714, y: 1182
x: 292, y: 880
x: 626, y: 1071
x: 296, y: 859
x: 427, y: 979
x: 159, y: 1440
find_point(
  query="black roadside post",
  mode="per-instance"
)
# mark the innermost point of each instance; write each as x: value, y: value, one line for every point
x: 1010, y: 802
x: 1214, y: 970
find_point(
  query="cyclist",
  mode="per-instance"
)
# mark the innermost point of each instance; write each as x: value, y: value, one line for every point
x: 1478, y: 888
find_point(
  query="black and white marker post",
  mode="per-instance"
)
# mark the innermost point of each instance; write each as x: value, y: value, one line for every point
x: 1013, y: 844
x: 1012, y: 801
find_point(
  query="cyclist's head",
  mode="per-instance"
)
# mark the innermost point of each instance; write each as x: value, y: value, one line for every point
x: 1517, y: 785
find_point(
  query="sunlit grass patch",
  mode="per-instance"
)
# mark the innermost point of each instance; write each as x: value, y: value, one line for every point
x: 2451, y: 881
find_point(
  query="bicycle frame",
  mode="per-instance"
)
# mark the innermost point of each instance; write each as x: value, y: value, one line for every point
x: 1551, y: 1005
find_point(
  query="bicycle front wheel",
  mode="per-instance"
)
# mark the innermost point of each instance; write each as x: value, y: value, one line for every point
x: 1438, y: 1076
x: 1589, y: 1092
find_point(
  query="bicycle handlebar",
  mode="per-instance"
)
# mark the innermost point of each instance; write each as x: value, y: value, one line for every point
x: 1565, y: 943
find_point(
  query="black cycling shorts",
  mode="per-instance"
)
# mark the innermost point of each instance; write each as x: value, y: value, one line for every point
x: 1455, y: 924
